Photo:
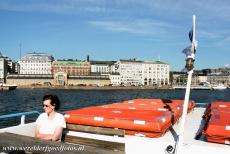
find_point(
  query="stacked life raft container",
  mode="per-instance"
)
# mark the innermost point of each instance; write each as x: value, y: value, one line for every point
x: 142, y: 117
x: 217, y: 117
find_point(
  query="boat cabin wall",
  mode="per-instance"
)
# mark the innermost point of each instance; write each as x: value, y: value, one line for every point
x: 25, y: 129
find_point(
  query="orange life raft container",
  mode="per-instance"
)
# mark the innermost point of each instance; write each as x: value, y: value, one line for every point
x: 143, y: 120
x: 144, y: 117
x: 217, y: 116
x: 175, y: 106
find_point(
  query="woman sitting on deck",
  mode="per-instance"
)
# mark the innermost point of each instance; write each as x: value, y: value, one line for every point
x: 50, y: 124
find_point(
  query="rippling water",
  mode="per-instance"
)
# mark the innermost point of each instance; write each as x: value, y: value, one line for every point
x: 21, y: 100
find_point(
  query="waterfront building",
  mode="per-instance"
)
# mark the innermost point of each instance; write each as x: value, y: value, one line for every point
x: 29, y: 79
x: 218, y: 75
x: 11, y: 66
x: 36, y: 63
x: 215, y: 79
x: 102, y: 67
x: 155, y: 73
x: 71, y: 68
x: 106, y: 68
x: 133, y: 72
x: 59, y: 79
x: 130, y: 71
x: 3, y: 68
x: 62, y: 69
x: 89, y: 80
x: 197, y: 79
x: 115, y: 79
x: 178, y: 78
x: 17, y: 68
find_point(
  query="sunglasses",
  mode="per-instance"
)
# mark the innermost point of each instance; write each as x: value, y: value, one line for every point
x: 45, y: 105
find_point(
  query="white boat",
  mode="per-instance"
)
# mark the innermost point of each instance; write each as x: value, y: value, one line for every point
x: 219, y: 87
x: 199, y: 87
x: 7, y: 87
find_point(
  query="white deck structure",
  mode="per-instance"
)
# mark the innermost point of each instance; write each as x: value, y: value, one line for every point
x: 138, y: 144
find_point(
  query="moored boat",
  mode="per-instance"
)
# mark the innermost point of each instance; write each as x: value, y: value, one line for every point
x: 199, y: 87
x: 219, y: 87
x: 7, y: 87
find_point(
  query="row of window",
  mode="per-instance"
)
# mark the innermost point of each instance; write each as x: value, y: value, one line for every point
x: 115, y: 78
x: 102, y: 69
x: 35, y: 72
x: 29, y: 62
x: 35, y: 69
x: 26, y: 65
x: 70, y: 67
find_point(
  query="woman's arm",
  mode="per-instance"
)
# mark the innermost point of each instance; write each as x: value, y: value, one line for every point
x: 57, y: 134
x: 42, y: 136
x: 52, y: 137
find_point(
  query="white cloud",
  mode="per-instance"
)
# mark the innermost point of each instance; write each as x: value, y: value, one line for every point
x: 142, y: 27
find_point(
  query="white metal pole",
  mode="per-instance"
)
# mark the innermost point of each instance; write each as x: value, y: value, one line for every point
x: 185, y: 108
x: 178, y: 148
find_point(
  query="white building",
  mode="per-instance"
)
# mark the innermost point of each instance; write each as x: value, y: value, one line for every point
x: 115, y: 79
x: 106, y: 68
x: 155, y: 73
x: 11, y: 66
x: 130, y: 71
x: 135, y: 72
x: 17, y: 68
x: 102, y: 67
x: 36, y: 63
x: 3, y: 68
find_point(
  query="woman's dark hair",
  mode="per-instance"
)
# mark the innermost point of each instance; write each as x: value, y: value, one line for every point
x: 54, y: 100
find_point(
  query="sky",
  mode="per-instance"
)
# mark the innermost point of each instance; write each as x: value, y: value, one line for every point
x: 117, y: 29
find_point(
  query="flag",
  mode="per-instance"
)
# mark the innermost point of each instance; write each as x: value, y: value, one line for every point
x: 195, y: 44
x: 191, y: 38
x: 190, y: 35
x: 187, y: 51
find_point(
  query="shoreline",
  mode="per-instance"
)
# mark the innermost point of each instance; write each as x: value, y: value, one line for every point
x: 96, y: 88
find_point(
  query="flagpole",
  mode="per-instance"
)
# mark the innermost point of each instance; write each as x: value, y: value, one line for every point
x: 189, y: 66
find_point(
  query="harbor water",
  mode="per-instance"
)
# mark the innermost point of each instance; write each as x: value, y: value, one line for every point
x: 22, y: 100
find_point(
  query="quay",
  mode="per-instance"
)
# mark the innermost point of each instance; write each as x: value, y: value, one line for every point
x: 94, y: 87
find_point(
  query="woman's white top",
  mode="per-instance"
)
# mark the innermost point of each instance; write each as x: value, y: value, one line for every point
x: 48, y: 126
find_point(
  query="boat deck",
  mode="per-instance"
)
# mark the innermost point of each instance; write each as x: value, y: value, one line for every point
x: 14, y: 143
x: 136, y: 144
